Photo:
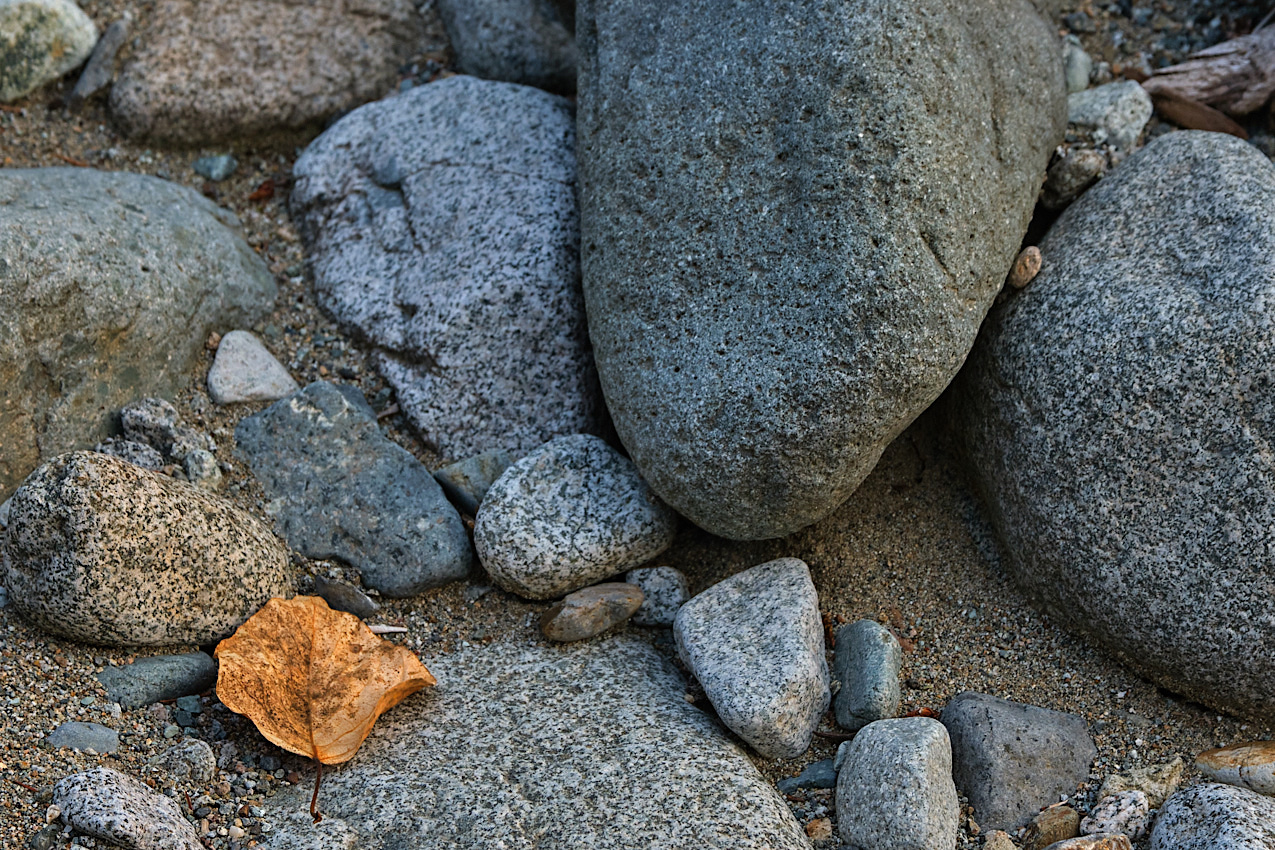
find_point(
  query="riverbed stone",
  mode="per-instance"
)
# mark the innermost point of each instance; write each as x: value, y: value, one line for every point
x: 866, y: 661
x: 519, y: 41
x: 118, y: 808
x: 467, y: 481
x: 244, y: 370
x: 1127, y: 813
x: 664, y: 590
x: 40, y: 40
x: 1215, y: 817
x: 1115, y: 113
x: 1249, y: 765
x: 159, y: 677
x: 1157, y: 781
x: 590, y: 612
x: 83, y: 736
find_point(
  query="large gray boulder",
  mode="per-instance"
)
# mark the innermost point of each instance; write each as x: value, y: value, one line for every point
x: 795, y: 216
x: 1215, y: 817
x: 111, y: 284
x: 1119, y: 414
x: 442, y: 227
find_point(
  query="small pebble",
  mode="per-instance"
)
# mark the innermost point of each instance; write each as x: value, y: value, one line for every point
x: 819, y: 829
x: 591, y: 611
x: 664, y: 590
x: 245, y: 370
x: 821, y: 774
x: 866, y: 661
x: 1094, y: 842
x: 1054, y: 824
x: 1126, y: 813
x: 215, y: 168
x: 345, y: 597
x: 85, y: 736
x: 1158, y: 782
x: 1025, y: 267
x: 467, y: 481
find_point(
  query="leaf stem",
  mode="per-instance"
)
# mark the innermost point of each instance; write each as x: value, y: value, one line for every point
x: 314, y: 798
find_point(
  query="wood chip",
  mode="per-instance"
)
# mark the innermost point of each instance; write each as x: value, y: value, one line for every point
x: 1236, y: 76
x: 1193, y: 115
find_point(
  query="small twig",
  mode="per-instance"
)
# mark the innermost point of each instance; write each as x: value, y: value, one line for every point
x: 12, y: 110
x: 389, y: 411
x: 30, y: 788
x: 70, y: 160
x: 314, y: 798
x: 839, y: 737
x: 379, y: 629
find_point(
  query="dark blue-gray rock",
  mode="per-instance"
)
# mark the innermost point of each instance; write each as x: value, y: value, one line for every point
x: 118, y: 808
x: 43, y: 39
x: 1117, y: 415
x: 159, y: 677
x: 1114, y: 114
x: 105, y: 552
x: 442, y: 226
x: 100, y: 69
x: 466, y: 481
x: 795, y: 216
x: 664, y: 590
x: 215, y: 168
x: 1009, y: 759
x: 45, y: 838
x: 338, y: 488
x: 821, y: 774
x: 155, y: 422
x: 866, y: 661
x: 344, y: 597
x: 1215, y: 817
x: 589, y: 746
x: 112, y: 284
x: 755, y: 643
x: 570, y: 513
x: 517, y: 41
x: 244, y: 370
x: 138, y: 454
x: 85, y: 736
x: 895, y: 791
x: 190, y: 761
x: 591, y: 611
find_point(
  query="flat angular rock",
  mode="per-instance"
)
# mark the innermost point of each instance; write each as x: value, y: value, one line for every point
x: 755, y: 643
x: 1010, y: 759
x: 245, y: 371
x: 42, y: 40
x: 1250, y: 765
x: 866, y: 662
x: 1158, y: 781
x: 207, y: 72
x: 112, y: 284
x: 1052, y: 825
x: 344, y: 597
x: 442, y: 226
x: 821, y: 774
x: 100, y: 69
x: 507, y: 752
x: 590, y: 612
x: 664, y: 590
x: 795, y: 216
x: 160, y: 677
x: 341, y: 489
x: 105, y: 552
x: 1126, y: 471
x: 118, y: 808
x: 1215, y: 817
x: 895, y: 788
x: 570, y: 513
x: 84, y: 736
x: 467, y: 481
x: 1106, y: 841
x: 518, y: 41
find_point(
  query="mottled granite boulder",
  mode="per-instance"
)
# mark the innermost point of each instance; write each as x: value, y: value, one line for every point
x: 795, y: 216
x: 1127, y: 813
x: 664, y: 591
x: 118, y: 808
x: 105, y: 552
x: 1215, y: 817
x: 245, y: 371
x: 755, y: 643
x: 158, y: 677
x: 112, y: 283
x: 518, y: 41
x: 866, y: 662
x: 1118, y: 415
x: 338, y: 488
x: 442, y: 227
x: 522, y: 748
x: 40, y: 40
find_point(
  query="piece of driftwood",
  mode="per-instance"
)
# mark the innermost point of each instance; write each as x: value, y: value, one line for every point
x: 1193, y: 115
x: 1236, y: 76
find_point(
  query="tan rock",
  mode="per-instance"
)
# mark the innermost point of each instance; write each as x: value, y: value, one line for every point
x: 591, y: 611
x: 819, y: 829
x: 1158, y: 782
x: 1249, y: 765
x: 1054, y: 824
x: 1025, y: 267
x: 998, y: 840
x: 1094, y: 842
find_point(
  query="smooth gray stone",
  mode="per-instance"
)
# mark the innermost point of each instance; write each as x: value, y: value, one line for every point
x: 190, y: 761
x: 160, y: 677
x: 117, y: 808
x: 518, y: 41
x: 244, y: 370
x: 467, y: 481
x: 664, y: 590
x: 755, y: 643
x: 1118, y: 414
x: 344, y: 597
x: 1116, y: 112
x: 1215, y: 817
x: 43, y: 39
x: 588, y: 746
x: 821, y: 774
x: 895, y: 790
x: 100, y: 69
x: 215, y: 168
x: 1077, y: 67
x: 1009, y: 759
x: 795, y: 216
x: 866, y: 661
x: 84, y: 736
x: 338, y: 488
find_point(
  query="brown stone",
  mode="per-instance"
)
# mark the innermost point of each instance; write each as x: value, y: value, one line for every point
x: 1094, y: 842
x: 1025, y: 267
x: 1054, y: 824
x: 819, y: 829
x: 591, y: 611
x: 1158, y: 782
x: 1249, y: 765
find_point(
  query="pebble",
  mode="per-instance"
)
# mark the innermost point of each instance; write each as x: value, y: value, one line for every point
x: 46, y: 838
x: 755, y: 643
x: 1054, y: 824
x: 819, y: 829
x: 895, y: 789
x: 215, y: 168
x: 159, y: 677
x: 244, y: 370
x: 155, y: 422
x: 117, y: 808
x: 1127, y: 813
x: 467, y: 481
x: 1070, y: 175
x: 43, y: 39
x: 138, y: 454
x: 1094, y: 842
x: 1077, y: 66
x: 100, y: 69
x: 345, y: 597
x: 821, y: 774
x: 85, y: 736
x: 1026, y: 267
x: 664, y: 590
x: 590, y: 612
x: 1215, y: 817
x: 190, y: 761
x: 570, y: 513
x: 866, y: 661
x: 202, y: 470
x: 1114, y: 113
x: 1157, y: 782
x: 998, y: 840
x: 1249, y: 765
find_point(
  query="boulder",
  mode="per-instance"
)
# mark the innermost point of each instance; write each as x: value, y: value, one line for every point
x: 1215, y: 817
x: 121, y: 810
x: 42, y: 40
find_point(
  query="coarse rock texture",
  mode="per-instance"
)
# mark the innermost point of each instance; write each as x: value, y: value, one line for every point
x: 191, y: 761
x: 111, y: 284
x: 40, y: 40
x: 591, y: 746
x: 442, y: 227
x: 338, y: 488
x: 1118, y: 415
x: 1053, y: 824
x: 105, y: 552
x: 1215, y: 817
x: 518, y: 41
x: 1115, y: 113
x: 1105, y: 841
x: 1126, y: 813
x: 160, y: 677
x: 1250, y: 765
x: 138, y: 454
x: 85, y: 736
x: 1010, y: 759
x: 155, y: 422
x: 120, y: 809
x: 240, y: 68
x: 866, y: 662
x: 1157, y: 781
x: 245, y: 371
x: 795, y: 217
x: 590, y: 612
x: 467, y: 481
x: 895, y: 789
x: 664, y: 591
x: 755, y: 643
x: 570, y: 513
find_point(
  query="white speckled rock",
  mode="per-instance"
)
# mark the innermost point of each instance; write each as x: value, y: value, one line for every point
x: 664, y: 590
x: 40, y: 40
x: 570, y: 513
x: 1250, y: 765
x: 190, y: 761
x: 245, y: 371
x: 1102, y: 841
x: 1127, y: 813
x: 755, y: 642
x: 1116, y: 112
x: 895, y: 789
x: 119, y: 809
x: 1157, y: 781
x: 1215, y: 817
x: 106, y: 552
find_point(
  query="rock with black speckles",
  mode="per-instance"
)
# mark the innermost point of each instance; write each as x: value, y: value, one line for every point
x: 755, y: 643
x: 155, y: 422
x: 190, y: 761
x: 664, y: 590
x: 1101, y: 841
x: 518, y: 41
x: 138, y: 454
x: 43, y: 39
x: 572, y: 512
x: 1126, y: 813
x: 1215, y: 817
x: 159, y: 677
x: 118, y: 808
x: 105, y: 552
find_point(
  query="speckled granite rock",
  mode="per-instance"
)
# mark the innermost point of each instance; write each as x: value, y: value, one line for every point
x: 442, y: 226
x: 92, y: 262
x: 235, y: 68
x: 1106, y: 841
x: 1114, y: 113
x: 467, y: 481
x: 190, y: 761
x: 1157, y: 781
x: 895, y: 788
x: 795, y: 215
x: 518, y: 41
x: 664, y: 590
x: 84, y: 736
x: 755, y: 642
x: 138, y: 454
x: 154, y: 422
x: 1118, y: 414
x: 338, y: 488
x: 1010, y: 759
x: 245, y: 371
x: 120, y: 809
x: 866, y: 662
x: 570, y: 513
x: 1126, y: 813
x: 109, y: 553
x: 41, y: 41
x: 1249, y: 765
x: 149, y: 680
x: 590, y: 612
x: 506, y: 752
x: 1215, y: 817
